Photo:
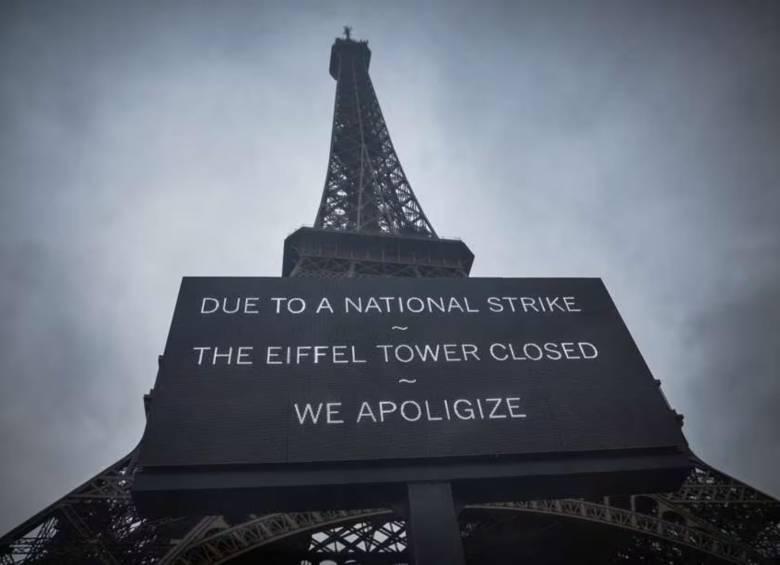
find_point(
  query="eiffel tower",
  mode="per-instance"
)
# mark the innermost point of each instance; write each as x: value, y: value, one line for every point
x: 370, y: 224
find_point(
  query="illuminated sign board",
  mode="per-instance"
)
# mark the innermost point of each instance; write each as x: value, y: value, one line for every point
x: 282, y: 385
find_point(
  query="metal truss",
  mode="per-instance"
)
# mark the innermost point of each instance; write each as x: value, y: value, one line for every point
x: 366, y: 189
x: 679, y: 534
x: 711, y: 515
x: 688, y: 519
x: 328, y: 267
x: 366, y: 537
x: 95, y: 523
x: 335, y: 532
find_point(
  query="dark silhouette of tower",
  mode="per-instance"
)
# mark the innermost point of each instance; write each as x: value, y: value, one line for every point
x: 370, y: 223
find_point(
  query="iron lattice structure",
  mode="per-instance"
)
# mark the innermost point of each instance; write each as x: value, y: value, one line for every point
x: 370, y: 224
x: 366, y: 189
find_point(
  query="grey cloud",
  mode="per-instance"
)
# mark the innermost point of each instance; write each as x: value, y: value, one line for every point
x: 141, y: 142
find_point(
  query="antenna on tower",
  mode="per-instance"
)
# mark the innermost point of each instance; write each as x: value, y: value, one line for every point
x: 348, y: 32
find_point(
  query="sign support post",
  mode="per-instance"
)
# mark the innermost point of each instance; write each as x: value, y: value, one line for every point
x: 434, y: 533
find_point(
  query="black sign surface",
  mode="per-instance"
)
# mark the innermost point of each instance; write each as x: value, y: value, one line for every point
x: 268, y: 373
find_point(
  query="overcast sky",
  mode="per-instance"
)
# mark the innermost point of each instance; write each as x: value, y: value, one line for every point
x: 141, y: 142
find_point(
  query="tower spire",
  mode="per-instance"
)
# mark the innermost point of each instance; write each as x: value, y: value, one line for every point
x: 366, y: 189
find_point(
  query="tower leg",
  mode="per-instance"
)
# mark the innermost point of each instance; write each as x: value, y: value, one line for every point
x: 434, y: 533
